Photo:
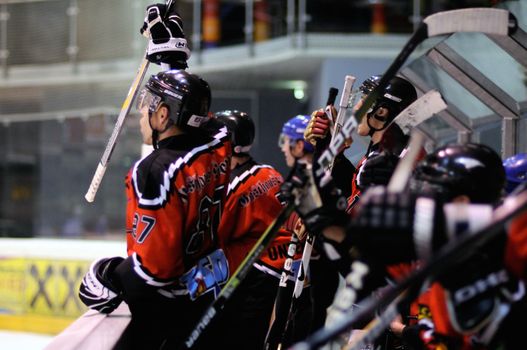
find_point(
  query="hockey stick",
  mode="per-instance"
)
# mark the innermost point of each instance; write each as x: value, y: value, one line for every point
x: 484, y: 20
x: 125, y: 109
x: 346, y: 100
x: 239, y: 275
x: 282, y: 300
x: 300, y: 280
x: 289, y: 303
x: 346, y: 297
x: 420, y: 110
x: 464, y: 246
x: 298, y: 191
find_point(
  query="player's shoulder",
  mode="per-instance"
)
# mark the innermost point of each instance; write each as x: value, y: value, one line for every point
x: 182, y: 155
x: 251, y: 172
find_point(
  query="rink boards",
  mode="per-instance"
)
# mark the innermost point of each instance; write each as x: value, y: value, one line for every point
x: 39, y: 280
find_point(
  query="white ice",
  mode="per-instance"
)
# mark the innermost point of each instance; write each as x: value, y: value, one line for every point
x: 23, y: 341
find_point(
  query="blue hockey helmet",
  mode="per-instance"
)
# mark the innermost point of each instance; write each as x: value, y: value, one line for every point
x: 515, y: 171
x: 294, y: 129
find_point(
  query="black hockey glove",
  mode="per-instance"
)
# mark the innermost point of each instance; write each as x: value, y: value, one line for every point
x: 97, y: 290
x: 167, y: 42
x: 396, y: 227
x: 377, y: 170
x: 319, y: 207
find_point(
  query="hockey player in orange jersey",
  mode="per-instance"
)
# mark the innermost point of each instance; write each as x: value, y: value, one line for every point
x: 175, y: 266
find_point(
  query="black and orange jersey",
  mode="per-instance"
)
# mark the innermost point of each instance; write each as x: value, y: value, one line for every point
x: 516, y: 247
x: 175, y: 199
x: 273, y: 258
x: 252, y: 205
x: 355, y: 190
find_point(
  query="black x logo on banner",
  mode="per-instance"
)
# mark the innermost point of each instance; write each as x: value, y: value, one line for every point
x: 41, y: 285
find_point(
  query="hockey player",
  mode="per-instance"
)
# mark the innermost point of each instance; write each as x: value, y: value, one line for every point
x: 292, y: 142
x: 324, y: 278
x: 371, y: 169
x: 251, y: 206
x: 175, y: 266
x: 468, y: 310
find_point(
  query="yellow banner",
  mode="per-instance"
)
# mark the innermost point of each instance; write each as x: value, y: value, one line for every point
x: 41, y: 290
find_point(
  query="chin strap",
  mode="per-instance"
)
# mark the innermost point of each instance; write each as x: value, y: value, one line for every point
x: 155, y: 132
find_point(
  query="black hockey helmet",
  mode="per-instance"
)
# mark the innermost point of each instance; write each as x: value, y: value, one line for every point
x: 369, y: 84
x: 241, y: 127
x: 398, y: 94
x: 186, y: 95
x: 474, y: 170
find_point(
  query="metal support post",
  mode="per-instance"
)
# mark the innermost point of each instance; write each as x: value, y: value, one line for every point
x: 196, y: 30
x: 249, y: 26
x: 73, y: 50
x: 4, y: 52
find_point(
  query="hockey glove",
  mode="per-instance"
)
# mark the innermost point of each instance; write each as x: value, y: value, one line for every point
x: 167, y: 42
x: 318, y: 126
x: 97, y: 290
x: 319, y: 207
x: 377, y: 170
x: 396, y: 227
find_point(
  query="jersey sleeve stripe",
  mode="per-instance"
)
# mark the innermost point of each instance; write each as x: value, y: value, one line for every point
x: 138, y: 269
x: 243, y: 176
x: 169, y: 174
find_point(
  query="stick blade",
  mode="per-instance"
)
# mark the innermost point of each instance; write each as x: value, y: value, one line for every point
x: 483, y: 20
x: 420, y: 110
x: 403, y: 171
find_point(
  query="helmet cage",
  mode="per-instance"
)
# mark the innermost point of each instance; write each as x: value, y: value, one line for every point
x: 147, y: 98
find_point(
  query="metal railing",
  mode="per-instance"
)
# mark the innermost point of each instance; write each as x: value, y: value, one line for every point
x: 86, y: 30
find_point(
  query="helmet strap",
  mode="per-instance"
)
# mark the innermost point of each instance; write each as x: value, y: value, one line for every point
x: 155, y: 133
x: 372, y: 115
x: 291, y: 149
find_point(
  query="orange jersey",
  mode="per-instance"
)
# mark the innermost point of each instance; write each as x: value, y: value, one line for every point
x: 516, y: 247
x: 355, y: 190
x: 252, y: 205
x: 273, y: 258
x: 175, y: 198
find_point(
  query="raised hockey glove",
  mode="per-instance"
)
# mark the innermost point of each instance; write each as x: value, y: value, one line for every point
x: 167, y: 42
x: 97, y: 290
x: 318, y: 127
x: 377, y: 170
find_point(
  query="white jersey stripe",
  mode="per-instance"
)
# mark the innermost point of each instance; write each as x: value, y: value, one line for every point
x: 168, y: 175
x: 240, y: 178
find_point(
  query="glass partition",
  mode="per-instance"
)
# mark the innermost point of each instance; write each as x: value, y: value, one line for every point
x: 453, y: 92
x: 497, y: 65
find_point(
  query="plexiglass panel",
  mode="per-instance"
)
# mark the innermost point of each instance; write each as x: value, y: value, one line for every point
x: 519, y: 9
x: 452, y: 91
x: 492, y: 61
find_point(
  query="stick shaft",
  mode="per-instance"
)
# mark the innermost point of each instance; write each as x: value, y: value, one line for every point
x: 238, y: 276
x: 125, y: 109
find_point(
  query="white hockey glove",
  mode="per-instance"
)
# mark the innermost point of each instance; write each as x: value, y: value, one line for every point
x: 97, y: 290
x: 167, y: 42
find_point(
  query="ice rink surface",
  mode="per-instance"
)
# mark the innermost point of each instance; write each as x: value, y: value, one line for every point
x: 23, y: 341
